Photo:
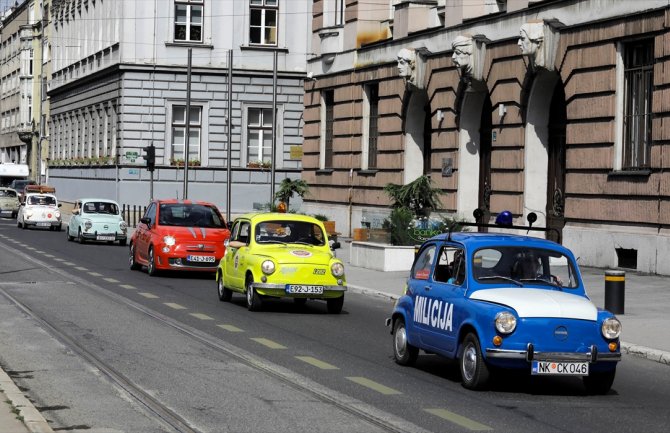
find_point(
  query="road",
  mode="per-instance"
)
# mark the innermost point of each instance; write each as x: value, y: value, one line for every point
x: 129, y: 352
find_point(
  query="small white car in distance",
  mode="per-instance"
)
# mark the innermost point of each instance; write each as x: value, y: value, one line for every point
x: 39, y: 210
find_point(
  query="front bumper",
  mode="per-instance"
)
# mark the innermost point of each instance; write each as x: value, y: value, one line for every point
x: 592, y: 356
x: 93, y: 236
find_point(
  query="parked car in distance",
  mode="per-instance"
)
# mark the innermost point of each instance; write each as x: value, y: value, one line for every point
x: 39, y: 210
x: 278, y: 255
x: 19, y: 186
x: 180, y: 235
x: 9, y: 202
x: 96, y: 219
x: 504, y: 301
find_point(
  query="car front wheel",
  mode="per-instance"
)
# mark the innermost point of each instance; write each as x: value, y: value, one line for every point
x: 225, y: 293
x: 253, y: 299
x: 474, y: 371
x: 69, y: 236
x: 80, y: 238
x: 403, y: 352
x: 131, y: 259
x: 599, y: 383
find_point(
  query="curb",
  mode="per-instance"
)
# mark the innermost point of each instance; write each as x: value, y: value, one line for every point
x: 32, y: 418
x: 655, y: 355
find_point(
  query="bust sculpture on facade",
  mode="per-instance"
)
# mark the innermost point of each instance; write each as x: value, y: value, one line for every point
x: 407, y: 65
x: 462, y: 56
x: 531, y: 42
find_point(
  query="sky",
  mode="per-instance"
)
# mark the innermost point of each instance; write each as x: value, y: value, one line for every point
x: 5, y: 4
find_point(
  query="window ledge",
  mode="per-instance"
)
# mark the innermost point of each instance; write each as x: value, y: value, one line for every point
x: 367, y: 172
x: 189, y: 44
x: 325, y: 171
x: 640, y: 173
x: 263, y: 48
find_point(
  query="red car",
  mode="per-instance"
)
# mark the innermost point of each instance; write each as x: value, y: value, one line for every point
x: 179, y: 235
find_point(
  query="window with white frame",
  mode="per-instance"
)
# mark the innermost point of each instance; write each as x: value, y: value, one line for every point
x: 263, y: 22
x: 179, y: 132
x: 259, y: 135
x: 333, y: 13
x: 638, y: 64
x: 188, y: 20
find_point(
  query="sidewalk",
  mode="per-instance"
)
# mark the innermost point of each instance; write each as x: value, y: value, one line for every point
x: 647, y: 298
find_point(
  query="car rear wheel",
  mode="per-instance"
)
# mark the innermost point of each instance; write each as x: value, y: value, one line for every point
x: 225, y: 294
x: 253, y: 299
x: 403, y: 352
x: 474, y: 371
x: 151, y: 263
x: 131, y: 259
x: 599, y: 383
x: 335, y: 305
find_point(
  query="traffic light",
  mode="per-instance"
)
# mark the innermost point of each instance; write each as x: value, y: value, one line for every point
x: 150, y: 157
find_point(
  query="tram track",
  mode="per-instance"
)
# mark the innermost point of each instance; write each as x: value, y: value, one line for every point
x: 360, y: 410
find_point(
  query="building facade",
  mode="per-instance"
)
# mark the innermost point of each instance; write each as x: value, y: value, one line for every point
x: 121, y: 80
x: 16, y: 84
x: 553, y: 107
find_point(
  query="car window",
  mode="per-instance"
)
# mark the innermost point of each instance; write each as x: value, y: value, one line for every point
x: 7, y: 193
x: 243, y: 232
x: 101, y: 207
x: 151, y: 213
x: 524, y: 264
x: 424, y: 263
x: 43, y: 200
x: 450, y: 267
x: 190, y: 215
x: 283, y: 231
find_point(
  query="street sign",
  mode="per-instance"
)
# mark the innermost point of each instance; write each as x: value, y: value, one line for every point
x: 132, y: 155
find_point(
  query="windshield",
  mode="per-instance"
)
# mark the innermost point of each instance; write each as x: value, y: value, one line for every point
x: 100, y: 207
x: 523, y: 265
x: 303, y: 232
x: 7, y: 193
x: 190, y: 215
x: 44, y: 200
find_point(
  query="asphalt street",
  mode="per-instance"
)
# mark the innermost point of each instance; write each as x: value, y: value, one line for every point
x: 283, y: 369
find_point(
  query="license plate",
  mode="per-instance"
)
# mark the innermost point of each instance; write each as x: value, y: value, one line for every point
x: 201, y: 259
x: 560, y: 368
x: 298, y: 288
x: 106, y: 238
x: 43, y: 224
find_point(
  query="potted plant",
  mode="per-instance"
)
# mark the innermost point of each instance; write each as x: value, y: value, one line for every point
x: 328, y: 224
x: 288, y: 187
x: 419, y: 196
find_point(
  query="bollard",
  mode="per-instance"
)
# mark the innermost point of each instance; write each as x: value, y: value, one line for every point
x: 615, y: 291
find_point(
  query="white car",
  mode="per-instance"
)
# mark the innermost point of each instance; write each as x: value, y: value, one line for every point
x: 97, y: 219
x: 39, y: 210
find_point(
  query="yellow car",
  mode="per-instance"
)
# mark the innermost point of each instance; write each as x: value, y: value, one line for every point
x: 277, y: 255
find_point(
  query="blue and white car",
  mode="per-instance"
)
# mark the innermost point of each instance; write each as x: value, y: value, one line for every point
x: 504, y: 301
x: 97, y: 219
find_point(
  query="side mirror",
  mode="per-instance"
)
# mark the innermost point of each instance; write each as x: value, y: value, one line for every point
x: 60, y: 204
x: 531, y: 217
x: 146, y: 220
x: 335, y: 246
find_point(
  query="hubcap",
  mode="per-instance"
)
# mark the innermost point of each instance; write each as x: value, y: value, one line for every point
x: 131, y: 258
x: 400, y: 342
x: 220, y: 286
x: 250, y: 294
x: 469, y: 362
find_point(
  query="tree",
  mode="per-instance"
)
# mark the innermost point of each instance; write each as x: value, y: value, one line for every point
x: 419, y: 196
x: 288, y: 187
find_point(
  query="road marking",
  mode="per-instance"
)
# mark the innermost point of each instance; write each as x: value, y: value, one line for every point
x: 69, y: 263
x: 175, y: 306
x: 201, y: 316
x: 111, y: 280
x: 49, y: 255
x: 458, y: 419
x: 268, y: 343
x: 382, y: 389
x: 30, y: 248
x: 230, y: 328
x: 59, y: 260
x: 95, y: 274
x: 39, y: 252
x: 128, y: 286
x: 148, y: 295
x: 317, y: 363
x: 80, y: 268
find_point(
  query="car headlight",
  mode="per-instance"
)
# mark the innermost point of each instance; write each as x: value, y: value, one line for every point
x: 123, y: 226
x: 88, y: 225
x: 337, y: 269
x: 57, y: 214
x: 505, y: 322
x: 169, y: 240
x: 611, y: 328
x: 268, y: 267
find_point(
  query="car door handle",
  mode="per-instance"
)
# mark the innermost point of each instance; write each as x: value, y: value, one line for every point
x: 426, y: 288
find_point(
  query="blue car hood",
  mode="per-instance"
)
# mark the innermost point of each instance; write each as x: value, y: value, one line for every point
x: 540, y: 302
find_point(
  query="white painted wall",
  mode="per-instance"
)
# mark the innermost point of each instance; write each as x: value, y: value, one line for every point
x: 467, y: 195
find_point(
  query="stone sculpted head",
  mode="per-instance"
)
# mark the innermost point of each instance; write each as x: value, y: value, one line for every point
x: 407, y: 64
x: 462, y: 56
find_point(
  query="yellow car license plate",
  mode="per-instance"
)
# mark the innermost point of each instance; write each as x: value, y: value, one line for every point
x: 304, y: 289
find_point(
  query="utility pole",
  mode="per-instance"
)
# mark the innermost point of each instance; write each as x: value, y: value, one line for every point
x: 229, y: 172
x: 188, y: 122
x: 274, y: 129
